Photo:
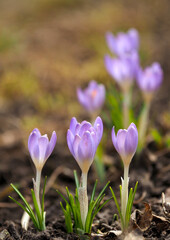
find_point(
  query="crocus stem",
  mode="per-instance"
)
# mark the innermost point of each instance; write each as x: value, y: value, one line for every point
x: 124, y: 197
x: 83, y: 198
x: 143, y: 123
x: 126, y: 106
x: 37, y: 187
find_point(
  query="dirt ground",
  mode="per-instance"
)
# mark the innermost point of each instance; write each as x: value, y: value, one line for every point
x: 47, y: 50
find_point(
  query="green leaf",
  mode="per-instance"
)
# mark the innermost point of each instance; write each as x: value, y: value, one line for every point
x: 118, y: 208
x: 76, y: 179
x: 127, y: 216
x: 26, y: 210
x: 43, y: 196
x: 93, y: 192
x: 37, y: 210
x: 25, y: 202
x: 133, y: 196
x: 68, y: 220
x: 62, y: 197
x: 92, y: 206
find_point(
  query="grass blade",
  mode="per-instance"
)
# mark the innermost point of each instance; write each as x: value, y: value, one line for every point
x: 24, y: 200
x: 76, y: 179
x: 118, y: 208
x: 37, y: 210
x: 43, y: 196
x: 93, y: 192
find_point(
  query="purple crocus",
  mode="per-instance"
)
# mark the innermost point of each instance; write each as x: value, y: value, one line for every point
x: 40, y: 147
x: 83, y: 139
x: 150, y: 79
x: 124, y: 43
x: 126, y: 142
x: 123, y: 70
x: 92, y: 98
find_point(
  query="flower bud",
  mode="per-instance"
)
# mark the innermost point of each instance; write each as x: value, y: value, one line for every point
x: 123, y: 70
x: 150, y: 79
x: 126, y: 142
x: 124, y: 43
x: 40, y: 147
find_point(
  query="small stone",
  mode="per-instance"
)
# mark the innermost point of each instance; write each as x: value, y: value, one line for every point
x: 4, y: 234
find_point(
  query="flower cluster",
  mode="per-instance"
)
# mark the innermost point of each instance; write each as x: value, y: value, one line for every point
x: 125, y: 69
x: 84, y: 138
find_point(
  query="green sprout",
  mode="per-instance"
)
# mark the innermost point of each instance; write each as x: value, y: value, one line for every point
x: 72, y: 209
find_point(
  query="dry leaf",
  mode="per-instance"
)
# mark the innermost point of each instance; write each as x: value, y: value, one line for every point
x: 143, y: 219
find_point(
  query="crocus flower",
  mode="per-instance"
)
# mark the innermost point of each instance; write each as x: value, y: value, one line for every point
x: 150, y: 79
x: 126, y: 142
x: 40, y: 147
x: 83, y: 139
x: 123, y: 43
x: 123, y: 70
x: 92, y: 98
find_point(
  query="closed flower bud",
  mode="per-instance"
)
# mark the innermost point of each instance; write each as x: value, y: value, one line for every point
x: 126, y: 142
x: 83, y: 139
x: 124, y: 43
x: 150, y: 79
x: 40, y: 147
x: 123, y: 70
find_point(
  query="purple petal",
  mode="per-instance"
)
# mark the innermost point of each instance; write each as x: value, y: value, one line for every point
x: 86, y: 149
x: 111, y: 41
x: 51, y: 145
x: 76, y: 142
x: 43, y: 144
x: 73, y: 124
x: 121, y: 136
x: 35, y: 155
x: 84, y: 127
x: 134, y: 38
x: 131, y: 140
x: 132, y: 125
x: 98, y: 125
x: 34, y: 133
x: 99, y: 99
x: 109, y: 65
x: 32, y: 143
x: 114, y: 139
x: 92, y: 85
x: 70, y: 139
x: 81, y: 96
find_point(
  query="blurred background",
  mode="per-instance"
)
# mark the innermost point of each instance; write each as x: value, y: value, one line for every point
x: 50, y: 47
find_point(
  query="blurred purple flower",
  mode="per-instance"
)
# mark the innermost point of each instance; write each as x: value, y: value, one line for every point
x: 93, y: 97
x: 126, y: 142
x: 123, y: 70
x: 123, y: 43
x: 83, y: 139
x: 40, y: 147
x: 150, y: 79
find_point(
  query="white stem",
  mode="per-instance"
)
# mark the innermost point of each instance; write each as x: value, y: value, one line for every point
x: 126, y: 106
x: 83, y: 198
x: 143, y: 123
x: 25, y: 220
x: 124, y: 198
x: 37, y: 187
x: 84, y: 180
